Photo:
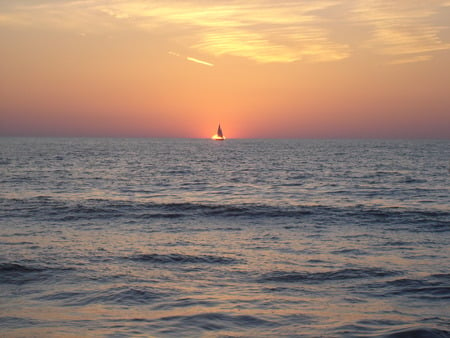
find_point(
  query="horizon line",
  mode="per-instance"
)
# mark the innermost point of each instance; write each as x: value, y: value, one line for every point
x: 229, y: 138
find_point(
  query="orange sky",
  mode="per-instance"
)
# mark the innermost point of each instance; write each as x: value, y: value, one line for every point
x: 306, y: 69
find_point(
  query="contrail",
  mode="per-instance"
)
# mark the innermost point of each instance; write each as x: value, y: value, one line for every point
x: 199, y: 61
x: 188, y: 58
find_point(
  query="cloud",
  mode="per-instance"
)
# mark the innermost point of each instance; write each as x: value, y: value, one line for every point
x: 401, y: 28
x: 190, y: 58
x: 418, y: 58
x: 263, y: 31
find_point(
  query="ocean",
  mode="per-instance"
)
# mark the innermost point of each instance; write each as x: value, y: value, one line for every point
x: 242, y: 238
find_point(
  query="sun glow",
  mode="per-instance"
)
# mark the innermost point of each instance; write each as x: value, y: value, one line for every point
x: 218, y: 138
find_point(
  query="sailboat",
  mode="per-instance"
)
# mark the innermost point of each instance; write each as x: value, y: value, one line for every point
x: 219, y: 136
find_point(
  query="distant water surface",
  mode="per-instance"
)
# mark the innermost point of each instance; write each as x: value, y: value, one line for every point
x: 242, y: 238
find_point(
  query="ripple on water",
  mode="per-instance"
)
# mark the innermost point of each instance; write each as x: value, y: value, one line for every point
x: 419, y: 333
x: 13, y: 273
x: 124, y: 295
x: 431, y: 288
x: 314, y: 277
x: 176, y: 258
x: 214, y: 321
x: 438, y: 289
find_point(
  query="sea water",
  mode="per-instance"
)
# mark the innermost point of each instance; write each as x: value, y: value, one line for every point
x: 241, y: 238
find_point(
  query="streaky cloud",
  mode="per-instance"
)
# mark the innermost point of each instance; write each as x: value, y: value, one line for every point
x: 189, y: 58
x: 402, y: 30
x: 192, y: 59
x: 262, y: 31
x: 418, y: 58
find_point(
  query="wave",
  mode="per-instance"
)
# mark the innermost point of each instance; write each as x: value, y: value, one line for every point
x: 17, y: 268
x: 116, y: 296
x: 314, y: 277
x: 419, y: 333
x: 16, y: 243
x: 372, y: 328
x: 215, y: 321
x: 183, y: 259
x: 5, y: 161
x: 432, y: 288
x: 18, y: 322
x: 13, y: 273
x: 184, y: 303
x: 50, y: 209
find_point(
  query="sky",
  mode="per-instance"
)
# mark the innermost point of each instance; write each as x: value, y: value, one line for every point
x: 260, y: 68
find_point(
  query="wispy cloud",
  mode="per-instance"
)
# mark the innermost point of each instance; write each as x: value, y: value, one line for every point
x: 190, y: 58
x: 403, y: 30
x: 412, y: 59
x: 199, y: 61
x: 260, y: 30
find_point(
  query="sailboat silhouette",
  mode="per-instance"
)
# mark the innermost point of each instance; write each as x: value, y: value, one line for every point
x: 219, y: 136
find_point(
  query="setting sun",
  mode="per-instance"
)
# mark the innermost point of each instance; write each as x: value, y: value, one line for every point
x: 219, y: 136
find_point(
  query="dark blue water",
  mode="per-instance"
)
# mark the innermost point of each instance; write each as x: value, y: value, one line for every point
x: 242, y: 238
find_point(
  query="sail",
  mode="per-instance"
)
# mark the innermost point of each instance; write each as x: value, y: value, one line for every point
x: 219, y: 136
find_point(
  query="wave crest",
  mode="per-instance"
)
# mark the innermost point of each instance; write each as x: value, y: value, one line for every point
x: 176, y: 258
x: 420, y: 333
x: 49, y: 209
x: 313, y: 277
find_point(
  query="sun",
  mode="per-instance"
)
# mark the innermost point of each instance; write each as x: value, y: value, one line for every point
x: 218, y: 138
